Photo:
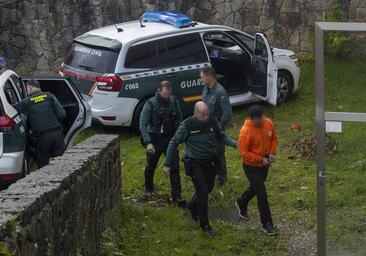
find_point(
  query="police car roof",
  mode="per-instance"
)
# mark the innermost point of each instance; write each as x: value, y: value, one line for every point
x: 133, y: 31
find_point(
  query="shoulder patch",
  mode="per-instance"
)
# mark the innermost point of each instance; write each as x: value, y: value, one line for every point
x: 39, y: 98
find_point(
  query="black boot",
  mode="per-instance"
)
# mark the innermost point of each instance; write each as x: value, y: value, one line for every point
x: 149, y: 191
x: 193, y: 210
x: 269, y: 230
x: 243, y: 212
x: 181, y: 203
x: 208, y: 230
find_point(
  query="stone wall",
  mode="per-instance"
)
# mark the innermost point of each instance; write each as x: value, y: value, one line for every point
x: 35, y: 34
x: 63, y: 208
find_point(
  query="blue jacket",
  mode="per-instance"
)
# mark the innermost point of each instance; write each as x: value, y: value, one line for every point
x: 217, y: 100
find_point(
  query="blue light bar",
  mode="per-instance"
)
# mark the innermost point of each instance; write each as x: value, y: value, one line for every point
x: 2, y: 63
x: 173, y: 18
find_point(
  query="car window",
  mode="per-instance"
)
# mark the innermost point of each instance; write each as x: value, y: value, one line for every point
x: 10, y: 93
x: 19, y: 85
x: 260, y: 47
x: 246, y: 40
x: 141, y: 56
x: 92, y: 58
x: 219, y: 45
x: 181, y: 50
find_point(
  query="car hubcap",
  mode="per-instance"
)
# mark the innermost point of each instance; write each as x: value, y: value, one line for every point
x: 282, y: 88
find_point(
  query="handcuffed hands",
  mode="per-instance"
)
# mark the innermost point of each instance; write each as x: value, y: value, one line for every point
x: 150, y: 148
x: 271, y: 158
x: 166, y: 170
x: 266, y: 162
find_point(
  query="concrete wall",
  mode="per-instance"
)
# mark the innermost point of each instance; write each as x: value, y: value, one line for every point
x: 35, y: 34
x: 63, y: 208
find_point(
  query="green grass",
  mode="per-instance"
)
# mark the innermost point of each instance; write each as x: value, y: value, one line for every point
x: 148, y: 231
x: 147, y: 228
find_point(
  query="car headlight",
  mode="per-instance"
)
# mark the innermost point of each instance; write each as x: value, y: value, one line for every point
x: 293, y: 57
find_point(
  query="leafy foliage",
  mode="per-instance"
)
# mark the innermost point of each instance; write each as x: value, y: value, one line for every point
x: 337, y: 43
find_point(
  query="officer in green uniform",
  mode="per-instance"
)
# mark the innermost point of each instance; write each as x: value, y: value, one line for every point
x: 160, y: 117
x: 217, y: 100
x: 44, y: 114
x: 200, y: 133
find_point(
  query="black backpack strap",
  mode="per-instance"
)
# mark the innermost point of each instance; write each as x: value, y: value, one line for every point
x: 153, y: 104
x: 173, y: 106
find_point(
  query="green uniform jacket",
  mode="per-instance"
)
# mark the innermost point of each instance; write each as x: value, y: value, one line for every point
x: 201, y: 142
x: 217, y: 101
x: 42, y: 109
x: 148, y: 124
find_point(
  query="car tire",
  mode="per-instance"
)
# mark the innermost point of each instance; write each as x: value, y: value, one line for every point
x: 136, y: 117
x: 285, y: 86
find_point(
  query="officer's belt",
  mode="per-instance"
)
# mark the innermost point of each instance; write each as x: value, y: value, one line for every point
x: 204, y: 162
x: 155, y: 130
x: 50, y: 130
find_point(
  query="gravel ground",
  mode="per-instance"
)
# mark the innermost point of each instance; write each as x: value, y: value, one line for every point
x: 301, y: 242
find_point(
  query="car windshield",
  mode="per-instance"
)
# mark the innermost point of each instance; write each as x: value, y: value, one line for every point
x: 247, y: 40
x: 92, y: 58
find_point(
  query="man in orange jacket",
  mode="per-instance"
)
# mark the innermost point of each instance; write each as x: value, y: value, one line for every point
x: 257, y: 146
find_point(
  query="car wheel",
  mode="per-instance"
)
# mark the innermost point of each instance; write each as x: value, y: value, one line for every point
x: 136, y: 117
x: 285, y: 86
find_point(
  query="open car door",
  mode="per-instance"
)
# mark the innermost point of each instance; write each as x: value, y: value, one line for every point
x: 264, y: 71
x: 78, y: 111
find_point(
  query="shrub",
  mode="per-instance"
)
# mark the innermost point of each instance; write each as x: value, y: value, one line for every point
x: 337, y: 43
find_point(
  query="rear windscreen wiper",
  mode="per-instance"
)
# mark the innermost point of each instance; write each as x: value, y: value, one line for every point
x: 86, y: 67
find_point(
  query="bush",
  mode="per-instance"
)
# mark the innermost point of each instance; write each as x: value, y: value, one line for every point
x: 337, y: 43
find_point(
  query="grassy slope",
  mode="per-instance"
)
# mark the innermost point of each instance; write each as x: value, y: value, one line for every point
x: 145, y: 229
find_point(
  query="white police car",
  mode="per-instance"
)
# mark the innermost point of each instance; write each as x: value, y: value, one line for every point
x: 14, y: 162
x: 120, y: 66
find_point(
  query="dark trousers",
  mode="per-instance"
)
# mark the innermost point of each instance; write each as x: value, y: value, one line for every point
x: 203, y: 179
x: 161, y: 143
x: 257, y: 176
x: 221, y: 165
x: 47, y: 145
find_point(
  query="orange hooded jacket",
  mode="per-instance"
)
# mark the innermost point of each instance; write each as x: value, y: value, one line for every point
x: 256, y: 142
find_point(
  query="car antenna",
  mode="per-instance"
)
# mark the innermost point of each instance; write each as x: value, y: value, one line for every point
x: 118, y: 29
x: 141, y: 25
